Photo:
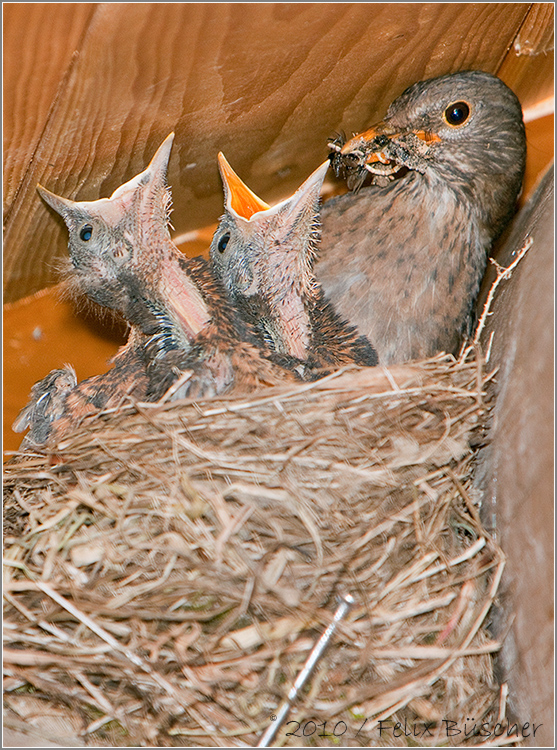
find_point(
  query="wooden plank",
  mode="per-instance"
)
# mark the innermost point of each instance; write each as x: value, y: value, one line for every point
x: 40, y: 41
x: 531, y: 78
x: 537, y: 34
x: 516, y: 466
x: 540, y: 140
x: 42, y: 333
x: 528, y: 67
x: 266, y: 83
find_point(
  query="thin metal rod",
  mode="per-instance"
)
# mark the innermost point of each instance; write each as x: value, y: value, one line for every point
x: 346, y: 601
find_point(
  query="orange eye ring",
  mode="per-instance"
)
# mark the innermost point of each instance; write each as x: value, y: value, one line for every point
x: 457, y: 114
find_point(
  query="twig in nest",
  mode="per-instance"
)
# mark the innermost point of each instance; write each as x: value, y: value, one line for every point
x: 502, y: 273
x: 101, y: 632
x: 345, y: 603
x: 187, y: 375
x: 503, y: 694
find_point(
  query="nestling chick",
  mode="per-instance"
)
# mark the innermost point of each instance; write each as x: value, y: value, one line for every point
x: 264, y: 257
x: 122, y: 256
x: 58, y: 402
x: 182, y: 325
x: 47, y: 405
x: 124, y: 259
x: 404, y: 260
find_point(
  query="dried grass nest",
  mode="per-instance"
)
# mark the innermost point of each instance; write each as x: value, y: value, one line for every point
x: 170, y: 567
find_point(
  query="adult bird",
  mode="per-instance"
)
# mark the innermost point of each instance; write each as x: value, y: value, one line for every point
x: 264, y: 257
x: 403, y: 258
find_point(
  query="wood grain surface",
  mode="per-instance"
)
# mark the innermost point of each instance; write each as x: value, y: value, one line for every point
x: 266, y: 83
x: 537, y: 35
x: 40, y: 40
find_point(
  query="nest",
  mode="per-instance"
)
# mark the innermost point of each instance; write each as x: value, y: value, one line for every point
x: 171, y: 566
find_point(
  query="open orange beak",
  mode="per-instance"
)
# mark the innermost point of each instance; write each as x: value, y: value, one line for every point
x: 239, y: 198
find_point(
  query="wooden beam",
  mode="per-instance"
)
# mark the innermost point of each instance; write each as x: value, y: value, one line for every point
x: 267, y: 83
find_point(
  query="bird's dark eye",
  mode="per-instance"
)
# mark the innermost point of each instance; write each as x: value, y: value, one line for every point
x: 86, y: 233
x: 457, y: 114
x: 223, y: 242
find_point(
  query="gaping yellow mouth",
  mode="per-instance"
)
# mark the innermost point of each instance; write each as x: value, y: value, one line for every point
x: 239, y: 197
